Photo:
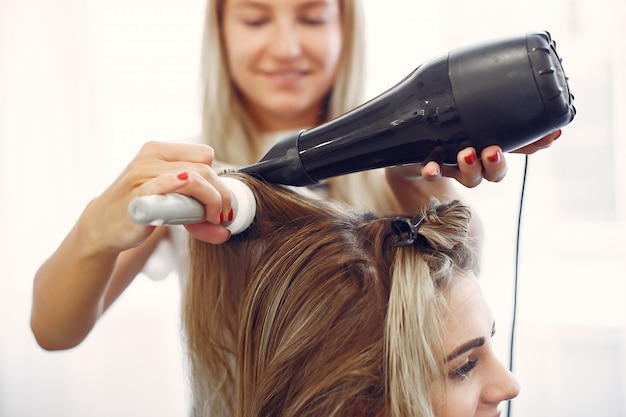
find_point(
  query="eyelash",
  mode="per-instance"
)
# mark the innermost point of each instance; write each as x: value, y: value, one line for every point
x: 254, y: 23
x: 306, y: 21
x: 314, y: 21
x: 463, y: 372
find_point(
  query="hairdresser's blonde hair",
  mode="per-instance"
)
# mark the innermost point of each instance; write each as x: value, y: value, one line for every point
x: 227, y: 127
x: 313, y: 312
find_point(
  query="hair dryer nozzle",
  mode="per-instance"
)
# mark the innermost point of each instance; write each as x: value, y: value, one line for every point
x: 507, y: 92
x: 510, y: 92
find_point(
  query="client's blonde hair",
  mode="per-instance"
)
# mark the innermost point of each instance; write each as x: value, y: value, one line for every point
x: 313, y: 311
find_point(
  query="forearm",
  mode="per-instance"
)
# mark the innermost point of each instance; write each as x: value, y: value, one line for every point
x: 81, y: 279
x: 410, y: 192
x: 105, y: 250
x: 68, y: 292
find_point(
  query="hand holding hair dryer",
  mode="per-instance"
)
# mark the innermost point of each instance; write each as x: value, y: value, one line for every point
x: 508, y: 92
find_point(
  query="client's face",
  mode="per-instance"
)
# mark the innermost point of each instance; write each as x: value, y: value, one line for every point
x: 476, y: 380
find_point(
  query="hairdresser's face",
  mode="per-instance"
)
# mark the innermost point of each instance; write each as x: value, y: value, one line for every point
x: 476, y: 381
x: 283, y: 56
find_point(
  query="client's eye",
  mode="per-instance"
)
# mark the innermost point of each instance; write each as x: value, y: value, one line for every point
x: 463, y: 372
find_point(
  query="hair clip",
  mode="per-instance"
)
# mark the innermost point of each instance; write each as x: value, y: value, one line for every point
x: 406, y: 229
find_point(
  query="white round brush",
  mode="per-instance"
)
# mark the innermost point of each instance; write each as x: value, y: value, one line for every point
x: 171, y: 209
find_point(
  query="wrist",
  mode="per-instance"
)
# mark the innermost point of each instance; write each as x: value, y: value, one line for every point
x: 413, y: 192
x: 406, y: 172
x: 97, y: 235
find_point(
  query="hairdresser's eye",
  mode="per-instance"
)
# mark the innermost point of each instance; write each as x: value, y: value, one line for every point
x: 255, y: 22
x: 317, y: 15
x: 314, y: 20
x: 463, y: 372
x: 251, y: 16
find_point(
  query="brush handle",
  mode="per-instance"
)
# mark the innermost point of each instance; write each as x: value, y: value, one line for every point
x: 173, y: 209
x: 166, y: 209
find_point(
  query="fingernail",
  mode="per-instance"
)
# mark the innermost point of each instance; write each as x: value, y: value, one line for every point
x: 494, y: 158
x: 221, y: 217
x: 471, y: 158
x: 558, y: 135
x: 183, y: 176
x: 230, y: 215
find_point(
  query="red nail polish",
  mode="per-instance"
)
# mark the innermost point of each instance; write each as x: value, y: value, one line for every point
x: 230, y: 215
x: 494, y: 158
x: 470, y: 159
x: 183, y: 176
x: 221, y: 217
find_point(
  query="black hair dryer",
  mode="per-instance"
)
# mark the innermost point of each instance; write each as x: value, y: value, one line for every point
x: 508, y: 92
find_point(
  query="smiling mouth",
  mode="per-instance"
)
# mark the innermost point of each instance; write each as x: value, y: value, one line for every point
x: 292, y: 74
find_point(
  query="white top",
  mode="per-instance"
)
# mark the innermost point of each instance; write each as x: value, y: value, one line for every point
x: 169, y: 256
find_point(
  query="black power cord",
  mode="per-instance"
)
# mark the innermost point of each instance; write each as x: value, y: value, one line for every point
x: 516, y: 275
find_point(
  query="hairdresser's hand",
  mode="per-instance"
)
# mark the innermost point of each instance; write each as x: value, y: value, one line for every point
x: 492, y: 165
x: 471, y: 170
x: 158, y: 168
x: 210, y: 191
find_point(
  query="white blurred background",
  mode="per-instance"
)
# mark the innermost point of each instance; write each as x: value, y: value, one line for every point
x: 83, y: 83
